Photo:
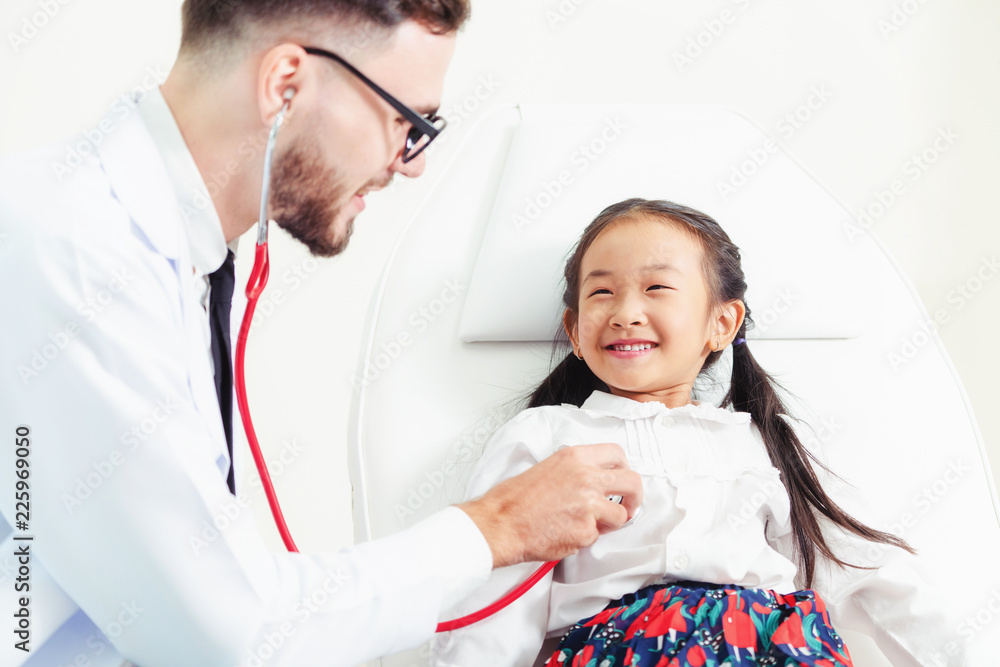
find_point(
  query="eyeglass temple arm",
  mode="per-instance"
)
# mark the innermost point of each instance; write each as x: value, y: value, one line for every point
x: 412, y: 116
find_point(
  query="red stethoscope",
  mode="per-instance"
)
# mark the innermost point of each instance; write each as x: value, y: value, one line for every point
x: 256, y: 284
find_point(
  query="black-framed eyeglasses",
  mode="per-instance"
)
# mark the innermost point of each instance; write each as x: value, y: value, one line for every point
x: 423, y: 129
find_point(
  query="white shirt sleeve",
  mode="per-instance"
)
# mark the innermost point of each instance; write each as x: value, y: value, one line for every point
x: 514, y: 635
x: 129, y: 509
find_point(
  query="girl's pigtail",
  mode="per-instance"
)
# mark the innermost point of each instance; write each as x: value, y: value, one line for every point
x: 571, y: 381
x: 753, y: 390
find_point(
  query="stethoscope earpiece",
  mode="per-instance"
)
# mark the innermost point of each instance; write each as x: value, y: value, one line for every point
x: 289, y: 94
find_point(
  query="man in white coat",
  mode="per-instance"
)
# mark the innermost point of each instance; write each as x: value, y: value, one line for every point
x: 116, y: 459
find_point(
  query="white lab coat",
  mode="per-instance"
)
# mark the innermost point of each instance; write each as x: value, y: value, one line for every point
x: 139, y: 549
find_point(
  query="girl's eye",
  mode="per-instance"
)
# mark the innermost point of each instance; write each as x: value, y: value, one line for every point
x: 600, y: 291
x: 656, y: 287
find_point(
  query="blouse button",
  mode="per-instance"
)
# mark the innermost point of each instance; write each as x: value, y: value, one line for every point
x: 667, y: 421
x: 681, y: 562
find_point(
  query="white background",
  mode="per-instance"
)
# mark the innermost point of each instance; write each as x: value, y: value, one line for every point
x: 896, y: 73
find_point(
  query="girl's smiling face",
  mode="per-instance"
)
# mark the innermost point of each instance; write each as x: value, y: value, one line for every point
x: 645, y: 321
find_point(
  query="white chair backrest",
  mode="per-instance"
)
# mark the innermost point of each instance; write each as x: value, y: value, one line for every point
x: 463, y: 319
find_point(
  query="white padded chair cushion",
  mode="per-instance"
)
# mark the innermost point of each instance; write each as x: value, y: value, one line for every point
x: 720, y: 163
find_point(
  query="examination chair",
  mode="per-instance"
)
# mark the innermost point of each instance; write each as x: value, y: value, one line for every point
x: 450, y: 356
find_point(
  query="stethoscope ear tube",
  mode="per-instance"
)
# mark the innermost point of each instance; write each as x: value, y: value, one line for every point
x: 265, y: 186
x: 255, y: 286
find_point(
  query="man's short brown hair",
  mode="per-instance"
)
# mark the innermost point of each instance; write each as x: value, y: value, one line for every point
x: 208, y: 22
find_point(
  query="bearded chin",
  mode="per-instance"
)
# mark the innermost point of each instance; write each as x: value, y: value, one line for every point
x: 304, y: 196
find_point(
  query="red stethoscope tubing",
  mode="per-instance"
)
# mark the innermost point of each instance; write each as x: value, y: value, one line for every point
x: 258, y: 279
x: 256, y: 284
x: 522, y: 588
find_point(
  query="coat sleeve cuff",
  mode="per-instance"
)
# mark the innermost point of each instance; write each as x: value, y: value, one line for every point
x: 466, y: 560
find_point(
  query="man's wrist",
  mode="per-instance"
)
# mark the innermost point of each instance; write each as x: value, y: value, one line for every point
x: 489, y: 519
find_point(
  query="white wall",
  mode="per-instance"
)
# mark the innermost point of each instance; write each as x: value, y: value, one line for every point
x: 895, y: 74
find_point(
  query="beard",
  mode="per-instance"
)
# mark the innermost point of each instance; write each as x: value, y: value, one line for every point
x: 304, y: 196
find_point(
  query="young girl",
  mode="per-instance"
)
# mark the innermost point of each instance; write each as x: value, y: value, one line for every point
x: 717, y: 567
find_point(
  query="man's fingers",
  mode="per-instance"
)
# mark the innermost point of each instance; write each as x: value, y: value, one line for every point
x: 611, y: 516
x: 627, y: 485
x: 615, y: 477
x: 620, y: 486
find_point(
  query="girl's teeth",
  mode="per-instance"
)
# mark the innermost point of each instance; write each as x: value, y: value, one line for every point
x: 629, y: 348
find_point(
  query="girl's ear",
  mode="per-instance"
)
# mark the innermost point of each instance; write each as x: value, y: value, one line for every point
x: 572, y: 329
x: 729, y: 319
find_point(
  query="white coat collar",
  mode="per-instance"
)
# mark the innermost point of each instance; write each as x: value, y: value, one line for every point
x: 201, y: 220
x: 608, y: 405
x: 154, y: 176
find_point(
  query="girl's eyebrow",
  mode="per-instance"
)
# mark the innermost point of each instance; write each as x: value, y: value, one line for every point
x: 649, y: 268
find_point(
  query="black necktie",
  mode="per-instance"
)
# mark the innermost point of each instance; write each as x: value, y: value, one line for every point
x: 220, y: 304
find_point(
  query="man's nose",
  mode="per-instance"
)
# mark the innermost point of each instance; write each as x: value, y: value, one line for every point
x: 411, y: 169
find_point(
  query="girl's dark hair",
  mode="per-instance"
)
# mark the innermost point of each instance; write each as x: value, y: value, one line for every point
x: 206, y: 22
x: 752, y: 390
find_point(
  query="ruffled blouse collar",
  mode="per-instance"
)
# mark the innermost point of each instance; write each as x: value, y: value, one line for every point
x: 608, y: 405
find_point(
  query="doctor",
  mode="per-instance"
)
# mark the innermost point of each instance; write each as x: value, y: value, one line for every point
x: 107, y: 380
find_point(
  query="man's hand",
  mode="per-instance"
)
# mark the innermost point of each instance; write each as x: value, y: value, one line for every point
x: 558, y: 506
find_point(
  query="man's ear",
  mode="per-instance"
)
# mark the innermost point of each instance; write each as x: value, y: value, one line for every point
x: 280, y: 71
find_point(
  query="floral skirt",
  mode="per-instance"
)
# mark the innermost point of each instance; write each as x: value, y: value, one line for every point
x: 691, y: 623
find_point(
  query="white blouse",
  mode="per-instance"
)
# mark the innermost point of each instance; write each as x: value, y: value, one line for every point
x: 714, y: 510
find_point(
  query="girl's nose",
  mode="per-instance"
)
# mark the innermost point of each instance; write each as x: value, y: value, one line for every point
x: 629, y: 313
